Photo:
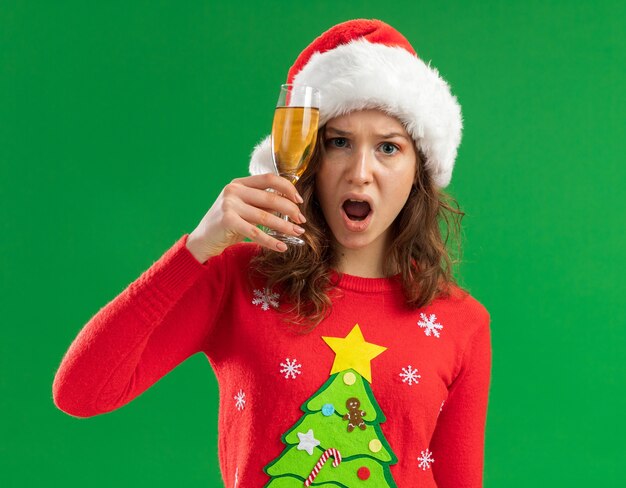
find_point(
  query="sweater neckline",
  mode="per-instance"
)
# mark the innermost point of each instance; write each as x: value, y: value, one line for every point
x: 366, y: 285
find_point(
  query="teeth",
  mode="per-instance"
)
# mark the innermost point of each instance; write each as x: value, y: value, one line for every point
x: 351, y: 200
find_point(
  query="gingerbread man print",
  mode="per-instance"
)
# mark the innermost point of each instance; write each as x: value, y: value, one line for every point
x: 354, y: 415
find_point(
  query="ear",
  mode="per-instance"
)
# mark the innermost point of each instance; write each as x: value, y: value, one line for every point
x: 420, y: 164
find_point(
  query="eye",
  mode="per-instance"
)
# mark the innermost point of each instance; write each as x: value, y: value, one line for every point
x: 337, y: 142
x: 388, y: 148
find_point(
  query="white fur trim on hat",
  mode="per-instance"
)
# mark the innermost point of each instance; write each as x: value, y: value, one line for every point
x: 261, y: 160
x: 361, y: 75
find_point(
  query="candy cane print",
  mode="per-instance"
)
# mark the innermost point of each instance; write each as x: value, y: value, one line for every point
x: 316, y: 469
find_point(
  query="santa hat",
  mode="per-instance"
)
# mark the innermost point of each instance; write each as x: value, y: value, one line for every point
x: 363, y: 64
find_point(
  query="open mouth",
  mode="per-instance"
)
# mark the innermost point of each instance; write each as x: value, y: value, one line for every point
x: 356, y: 210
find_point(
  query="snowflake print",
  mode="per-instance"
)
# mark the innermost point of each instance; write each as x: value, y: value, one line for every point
x: 291, y: 368
x: 265, y: 298
x: 409, y: 375
x: 240, y: 400
x: 429, y: 325
x: 426, y: 459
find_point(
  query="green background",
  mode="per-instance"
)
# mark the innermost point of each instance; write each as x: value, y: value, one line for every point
x: 121, y: 121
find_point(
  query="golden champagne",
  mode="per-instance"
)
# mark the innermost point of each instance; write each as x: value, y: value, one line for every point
x: 294, y: 134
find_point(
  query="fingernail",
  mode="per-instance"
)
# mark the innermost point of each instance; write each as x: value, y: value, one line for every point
x: 281, y: 246
x: 302, y: 219
x: 299, y: 199
x: 298, y: 229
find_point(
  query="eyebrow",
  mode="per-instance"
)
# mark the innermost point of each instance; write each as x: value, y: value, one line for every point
x: 382, y: 136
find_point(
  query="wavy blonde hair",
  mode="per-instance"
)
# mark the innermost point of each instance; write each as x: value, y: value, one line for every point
x: 418, y: 252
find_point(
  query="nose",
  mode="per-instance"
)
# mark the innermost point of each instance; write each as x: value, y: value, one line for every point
x: 359, y: 172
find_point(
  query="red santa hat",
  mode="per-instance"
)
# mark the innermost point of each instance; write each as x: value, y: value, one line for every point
x: 362, y: 64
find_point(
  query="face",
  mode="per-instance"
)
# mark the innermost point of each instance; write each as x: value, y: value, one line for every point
x: 367, y: 169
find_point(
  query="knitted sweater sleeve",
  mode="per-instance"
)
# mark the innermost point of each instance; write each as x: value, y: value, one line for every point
x: 458, y: 441
x: 157, y: 322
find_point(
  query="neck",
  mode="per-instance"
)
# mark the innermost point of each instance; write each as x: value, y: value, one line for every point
x: 366, y: 262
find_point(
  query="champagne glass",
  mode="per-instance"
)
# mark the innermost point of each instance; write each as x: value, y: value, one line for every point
x: 294, y: 134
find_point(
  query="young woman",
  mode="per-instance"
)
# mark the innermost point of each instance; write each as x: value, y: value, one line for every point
x: 354, y: 360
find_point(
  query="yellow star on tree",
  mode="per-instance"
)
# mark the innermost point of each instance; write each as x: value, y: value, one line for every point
x: 353, y: 352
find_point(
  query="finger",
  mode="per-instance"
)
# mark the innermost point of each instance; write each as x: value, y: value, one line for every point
x: 258, y: 216
x: 270, y: 180
x: 255, y: 234
x: 273, y: 202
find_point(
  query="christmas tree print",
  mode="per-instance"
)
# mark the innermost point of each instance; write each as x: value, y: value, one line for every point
x: 338, y: 441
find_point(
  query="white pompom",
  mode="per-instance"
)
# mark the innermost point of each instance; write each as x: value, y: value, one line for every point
x: 261, y: 159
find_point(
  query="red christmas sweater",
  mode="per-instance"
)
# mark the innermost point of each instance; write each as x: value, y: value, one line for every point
x: 376, y: 395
